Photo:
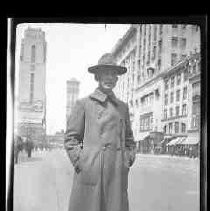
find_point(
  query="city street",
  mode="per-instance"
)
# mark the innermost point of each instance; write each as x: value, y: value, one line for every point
x: 156, y: 183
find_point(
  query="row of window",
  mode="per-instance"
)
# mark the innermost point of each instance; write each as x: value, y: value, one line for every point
x: 175, y: 127
x: 177, y: 96
x: 31, y: 87
x: 178, y: 78
x: 146, y: 123
x: 177, y: 111
x: 175, y: 58
x: 182, y: 42
x: 150, y: 55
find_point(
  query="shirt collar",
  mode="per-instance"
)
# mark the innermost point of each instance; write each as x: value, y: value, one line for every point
x: 101, y: 96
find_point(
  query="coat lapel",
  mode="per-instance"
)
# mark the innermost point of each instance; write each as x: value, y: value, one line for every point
x: 102, y: 97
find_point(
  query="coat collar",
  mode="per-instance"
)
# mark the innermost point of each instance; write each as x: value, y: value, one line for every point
x: 102, y: 97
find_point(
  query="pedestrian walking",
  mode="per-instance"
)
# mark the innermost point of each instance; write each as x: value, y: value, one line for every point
x: 99, y: 142
x: 18, y: 147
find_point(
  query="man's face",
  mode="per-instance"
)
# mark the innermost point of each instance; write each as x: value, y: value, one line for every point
x: 107, y: 79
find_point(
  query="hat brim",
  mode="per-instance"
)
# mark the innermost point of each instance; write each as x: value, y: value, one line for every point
x: 119, y: 69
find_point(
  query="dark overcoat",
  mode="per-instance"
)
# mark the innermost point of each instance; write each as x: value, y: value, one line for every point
x: 99, y: 142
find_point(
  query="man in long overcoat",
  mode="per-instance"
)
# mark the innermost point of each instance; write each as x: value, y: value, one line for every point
x: 99, y: 142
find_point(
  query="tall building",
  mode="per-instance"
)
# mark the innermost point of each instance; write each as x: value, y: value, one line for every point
x: 176, y: 99
x: 71, y: 96
x: 32, y: 82
x: 194, y: 96
x: 181, y: 110
x: 148, y: 51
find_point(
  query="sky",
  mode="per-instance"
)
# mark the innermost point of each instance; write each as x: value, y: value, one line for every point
x: 71, y: 49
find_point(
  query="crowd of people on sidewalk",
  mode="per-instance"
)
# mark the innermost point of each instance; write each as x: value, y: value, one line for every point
x: 189, y: 150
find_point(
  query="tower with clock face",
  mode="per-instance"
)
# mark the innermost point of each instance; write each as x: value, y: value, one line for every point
x: 32, y: 86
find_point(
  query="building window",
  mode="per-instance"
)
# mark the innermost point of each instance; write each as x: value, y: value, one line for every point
x: 160, y: 46
x: 196, y: 108
x: 172, y: 81
x: 177, y: 95
x: 195, y: 122
x: 33, y: 53
x: 154, y: 52
x: 31, y: 87
x: 183, y: 43
x: 166, y: 84
x: 159, y: 64
x: 183, y: 56
x: 165, y: 113
x: 196, y: 89
x: 194, y: 68
x: 171, y: 112
x: 184, y: 109
x: 176, y: 127
x: 185, y: 93
x: 137, y: 103
x: 174, y: 42
x: 165, y: 129
x: 155, y: 32
x: 177, y: 111
x: 166, y: 99
x: 185, y: 74
x: 170, y: 128
x: 183, y: 128
x: 173, y: 58
x: 178, y: 79
x: 172, y: 97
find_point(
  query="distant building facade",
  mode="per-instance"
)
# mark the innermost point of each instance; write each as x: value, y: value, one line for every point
x: 176, y: 99
x: 194, y: 95
x: 32, y: 85
x: 149, y: 51
x: 72, y: 90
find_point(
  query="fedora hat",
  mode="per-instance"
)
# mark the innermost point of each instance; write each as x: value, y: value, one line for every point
x: 106, y: 62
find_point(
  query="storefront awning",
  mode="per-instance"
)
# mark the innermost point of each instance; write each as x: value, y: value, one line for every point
x: 144, y: 135
x: 190, y: 141
x: 176, y: 141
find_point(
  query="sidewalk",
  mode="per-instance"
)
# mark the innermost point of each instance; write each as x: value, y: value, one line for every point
x: 38, y: 182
